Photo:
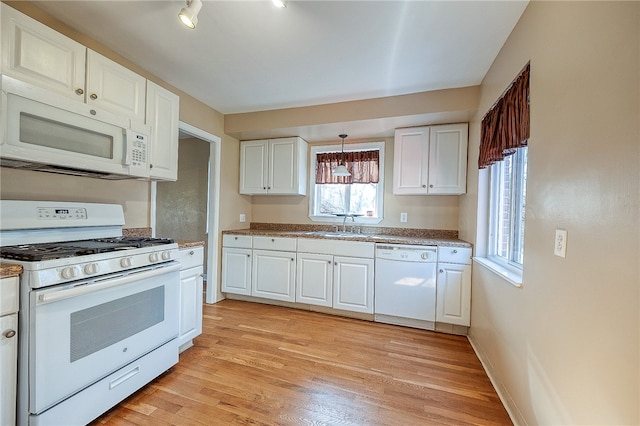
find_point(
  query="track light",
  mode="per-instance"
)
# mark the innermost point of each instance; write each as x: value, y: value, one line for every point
x: 189, y: 15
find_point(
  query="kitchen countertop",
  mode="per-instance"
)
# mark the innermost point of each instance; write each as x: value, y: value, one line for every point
x: 432, y: 240
x: 9, y: 270
x: 183, y: 244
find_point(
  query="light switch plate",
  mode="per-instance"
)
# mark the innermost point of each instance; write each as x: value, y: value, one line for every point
x: 243, y: 217
x: 403, y: 217
x: 560, y: 248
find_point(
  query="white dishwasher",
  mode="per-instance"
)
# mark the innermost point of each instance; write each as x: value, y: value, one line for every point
x: 405, y: 285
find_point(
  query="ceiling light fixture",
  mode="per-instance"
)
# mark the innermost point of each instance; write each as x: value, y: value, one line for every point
x: 341, y: 169
x: 189, y: 15
x: 280, y: 3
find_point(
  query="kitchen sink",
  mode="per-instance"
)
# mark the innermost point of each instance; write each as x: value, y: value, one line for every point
x: 330, y: 234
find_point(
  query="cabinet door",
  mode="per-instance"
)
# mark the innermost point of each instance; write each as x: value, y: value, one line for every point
x: 453, y: 294
x: 411, y: 161
x: 115, y: 88
x: 314, y: 284
x: 36, y: 54
x: 284, y: 167
x: 254, y: 157
x: 353, y: 284
x: 162, y: 114
x: 273, y: 275
x: 236, y: 270
x: 448, y: 159
x: 9, y: 368
x: 190, y: 304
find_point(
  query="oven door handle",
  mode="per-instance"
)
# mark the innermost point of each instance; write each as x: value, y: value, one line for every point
x: 108, y: 283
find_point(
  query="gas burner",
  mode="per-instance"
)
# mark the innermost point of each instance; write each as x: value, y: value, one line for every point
x: 65, y: 249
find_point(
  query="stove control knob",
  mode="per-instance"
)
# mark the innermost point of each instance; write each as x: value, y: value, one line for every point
x: 91, y: 268
x: 153, y: 257
x: 69, y: 272
x: 125, y: 262
x: 166, y: 255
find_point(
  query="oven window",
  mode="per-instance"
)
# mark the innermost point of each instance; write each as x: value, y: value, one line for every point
x: 100, y: 326
x: 44, y: 132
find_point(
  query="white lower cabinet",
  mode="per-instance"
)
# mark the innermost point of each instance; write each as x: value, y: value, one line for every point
x: 336, y: 274
x: 236, y: 264
x: 453, y: 286
x: 273, y: 275
x: 353, y: 284
x: 8, y: 349
x: 314, y: 279
x: 190, y: 295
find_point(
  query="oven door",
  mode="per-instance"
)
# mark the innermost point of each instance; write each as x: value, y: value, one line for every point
x: 80, y: 333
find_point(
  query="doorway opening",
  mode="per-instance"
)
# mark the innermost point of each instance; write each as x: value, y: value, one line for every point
x: 188, y: 209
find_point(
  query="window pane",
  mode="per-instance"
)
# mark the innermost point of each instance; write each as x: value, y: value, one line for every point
x: 330, y: 198
x: 363, y: 199
x: 508, y: 199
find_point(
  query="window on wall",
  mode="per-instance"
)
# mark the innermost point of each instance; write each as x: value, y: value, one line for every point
x: 504, y: 140
x: 507, y: 207
x: 359, y: 194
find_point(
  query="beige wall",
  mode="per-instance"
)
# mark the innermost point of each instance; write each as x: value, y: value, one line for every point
x: 564, y: 348
x: 432, y: 212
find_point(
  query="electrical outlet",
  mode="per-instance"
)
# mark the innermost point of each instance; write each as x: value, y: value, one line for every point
x: 560, y: 248
x: 243, y: 217
x: 403, y: 217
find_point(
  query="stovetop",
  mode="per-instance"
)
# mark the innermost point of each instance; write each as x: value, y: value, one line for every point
x: 65, y: 249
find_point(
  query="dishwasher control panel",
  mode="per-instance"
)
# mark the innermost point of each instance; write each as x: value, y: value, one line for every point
x: 407, y: 253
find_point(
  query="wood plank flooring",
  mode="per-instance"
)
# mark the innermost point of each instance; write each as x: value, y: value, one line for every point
x: 257, y: 364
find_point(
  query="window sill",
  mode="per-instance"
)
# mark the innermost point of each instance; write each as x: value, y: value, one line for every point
x: 512, y: 276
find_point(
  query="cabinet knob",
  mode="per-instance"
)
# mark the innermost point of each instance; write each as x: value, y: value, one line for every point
x: 424, y: 186
x: 79, y: 92
x: 455, y: 251
x: 292, y: 259
x: 191, y: 253
x: 264, y: 187
x: 93, y: 96
x: 268, y: 187
x: 273, y: 240
x: 9, y: 334
x: 248, y: 255
x: 335, y: 263
x: 329, y: 262
x: 441, y: 270
x: 430, y: 186
x: 235, y: 238
x: 93, y: 112
x: 151, y: 166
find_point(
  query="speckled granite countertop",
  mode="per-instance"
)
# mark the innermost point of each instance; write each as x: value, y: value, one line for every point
x: 9, y: 270
x: 183, y: 244
x: 369, y: 234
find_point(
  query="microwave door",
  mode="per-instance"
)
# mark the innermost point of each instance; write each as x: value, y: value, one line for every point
x: 46, y: 134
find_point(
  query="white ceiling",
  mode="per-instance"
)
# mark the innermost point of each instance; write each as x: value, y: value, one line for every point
x: 250, y: 56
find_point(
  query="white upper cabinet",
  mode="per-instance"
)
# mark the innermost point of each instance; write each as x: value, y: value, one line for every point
x: 111, y: 86
x: 162, y: 115
x: 36, y: 54
x: 431, y: 160
x: 274, y: 166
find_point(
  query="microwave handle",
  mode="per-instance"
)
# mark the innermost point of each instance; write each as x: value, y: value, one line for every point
x: 89, y: 288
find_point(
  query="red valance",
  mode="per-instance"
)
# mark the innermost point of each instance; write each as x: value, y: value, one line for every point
x: 364, y: 167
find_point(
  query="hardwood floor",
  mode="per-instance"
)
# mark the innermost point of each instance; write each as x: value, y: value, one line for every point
x: 266, y: 365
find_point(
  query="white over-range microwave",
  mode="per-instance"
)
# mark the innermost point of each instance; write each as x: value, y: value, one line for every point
x: 41, y: 130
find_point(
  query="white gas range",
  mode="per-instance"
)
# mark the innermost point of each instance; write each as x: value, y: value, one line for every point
x: 98, y: 312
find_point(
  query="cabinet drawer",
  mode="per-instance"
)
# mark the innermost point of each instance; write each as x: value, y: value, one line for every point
x: 336, y: 247
x: 454, y: 255
x: 274, y: 243
x: 8, y: 295
x: 191, y: 257
x: 239, y: 241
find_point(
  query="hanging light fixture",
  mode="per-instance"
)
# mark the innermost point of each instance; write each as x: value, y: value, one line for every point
x: 189, y: 15
x: 341, y: 169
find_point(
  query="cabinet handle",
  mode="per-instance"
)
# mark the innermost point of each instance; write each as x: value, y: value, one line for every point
x: 79, y: 92
x: 9, y: 334
x: 93, y: 96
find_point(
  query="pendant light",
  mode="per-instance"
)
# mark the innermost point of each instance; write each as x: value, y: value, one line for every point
x: 341, y: 169
x: 189, y: 15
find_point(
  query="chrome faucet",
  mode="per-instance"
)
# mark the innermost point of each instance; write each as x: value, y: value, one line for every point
x: 344, y: 224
